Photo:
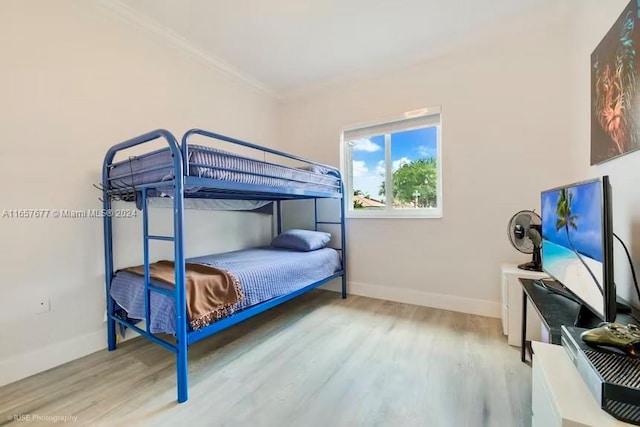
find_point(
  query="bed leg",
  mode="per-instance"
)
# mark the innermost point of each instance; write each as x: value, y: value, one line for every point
x: 343, y: 242
x: 111, y: 324
x: 111, y: 334
x: 181, y: 373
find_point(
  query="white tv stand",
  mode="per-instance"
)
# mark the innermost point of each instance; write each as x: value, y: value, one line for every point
x: 559, y: 396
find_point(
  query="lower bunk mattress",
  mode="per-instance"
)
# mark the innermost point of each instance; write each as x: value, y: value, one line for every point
x: 263, y: 273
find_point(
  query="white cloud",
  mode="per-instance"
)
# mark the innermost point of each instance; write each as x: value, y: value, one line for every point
x: 366, y: 177
x: 365, y: 144
x: 397, y: 164
x: 425, y: 151
x: 360, y: 168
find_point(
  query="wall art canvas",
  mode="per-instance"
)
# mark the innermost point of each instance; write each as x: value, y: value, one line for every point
x: 615, y: 98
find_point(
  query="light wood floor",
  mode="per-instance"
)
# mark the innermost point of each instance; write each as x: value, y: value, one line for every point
x: 315, y: 361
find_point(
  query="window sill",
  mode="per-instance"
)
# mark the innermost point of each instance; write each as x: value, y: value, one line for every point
x: 398, y: 214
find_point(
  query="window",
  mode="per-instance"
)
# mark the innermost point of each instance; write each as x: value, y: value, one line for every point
x: 403, y: 155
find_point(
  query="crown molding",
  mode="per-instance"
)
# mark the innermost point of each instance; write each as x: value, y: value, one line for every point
x: 139, y: 19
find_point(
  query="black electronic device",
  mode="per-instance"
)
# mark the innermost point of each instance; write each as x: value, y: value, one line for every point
x: 577, y: 246
x: 613, y: 378
x: 621, y: 337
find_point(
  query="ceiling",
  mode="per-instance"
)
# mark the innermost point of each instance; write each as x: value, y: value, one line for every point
x: 289, y: 45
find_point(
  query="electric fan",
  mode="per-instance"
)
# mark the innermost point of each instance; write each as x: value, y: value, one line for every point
x: 524, y: 234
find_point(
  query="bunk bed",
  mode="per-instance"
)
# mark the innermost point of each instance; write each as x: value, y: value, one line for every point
x: 183, y: 172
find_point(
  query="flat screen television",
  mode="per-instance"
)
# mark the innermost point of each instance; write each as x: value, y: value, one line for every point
x: 577, y: 245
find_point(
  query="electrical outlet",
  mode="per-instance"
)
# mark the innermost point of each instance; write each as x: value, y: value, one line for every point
x: 44, y: 306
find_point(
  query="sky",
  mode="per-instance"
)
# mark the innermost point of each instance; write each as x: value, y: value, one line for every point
x: 586, y: 204
x: 407, y: 146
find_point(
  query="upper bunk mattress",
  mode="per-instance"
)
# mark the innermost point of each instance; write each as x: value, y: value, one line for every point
x: 263, y: 273
x: 209, y: 162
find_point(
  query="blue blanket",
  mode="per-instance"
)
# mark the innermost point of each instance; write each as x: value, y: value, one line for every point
x: 264, y: 273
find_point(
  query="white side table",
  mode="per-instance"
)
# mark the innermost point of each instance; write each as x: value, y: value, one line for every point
x: 512, y: 305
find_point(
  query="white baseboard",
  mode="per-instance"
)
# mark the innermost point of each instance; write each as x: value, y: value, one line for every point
x: 426, y: 299
x: 25, y: 365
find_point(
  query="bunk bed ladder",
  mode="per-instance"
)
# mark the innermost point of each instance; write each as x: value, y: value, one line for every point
x: 179, y: 292
x: 343, y: 239
x: 148, y: 287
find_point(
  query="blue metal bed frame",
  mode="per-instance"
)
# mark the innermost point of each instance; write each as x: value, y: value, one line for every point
x: 210, y: 188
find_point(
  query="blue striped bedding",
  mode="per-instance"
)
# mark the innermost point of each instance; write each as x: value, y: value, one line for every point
x: 206, y: 162
x: 264, y: 273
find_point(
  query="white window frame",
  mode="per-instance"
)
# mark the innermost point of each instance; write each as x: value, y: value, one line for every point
x: 346, y: 161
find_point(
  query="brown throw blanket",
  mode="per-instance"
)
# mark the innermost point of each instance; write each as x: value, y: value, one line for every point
x: 211, y: 291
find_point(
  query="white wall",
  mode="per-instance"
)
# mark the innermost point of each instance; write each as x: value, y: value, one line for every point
x: 505, y: 138
x: 591, y: 20
x: 75, y: 79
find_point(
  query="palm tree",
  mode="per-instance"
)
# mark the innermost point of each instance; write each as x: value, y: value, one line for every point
x: 565, y: 219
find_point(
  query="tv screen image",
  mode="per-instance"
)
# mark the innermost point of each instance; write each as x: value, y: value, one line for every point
x: 572, y: 240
